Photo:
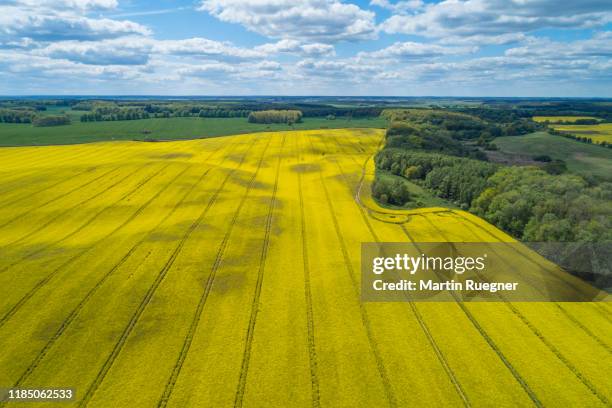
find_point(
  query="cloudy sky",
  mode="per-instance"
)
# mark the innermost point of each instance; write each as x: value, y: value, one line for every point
x: 307, y: 47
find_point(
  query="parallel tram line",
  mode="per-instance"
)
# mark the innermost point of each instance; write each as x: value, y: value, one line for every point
x: 72, y: 160
x: 66, y: 211
x: 27, y: 157
x: 148, y: 296
x: 561, y: 308
x: 72, y: 233
x: 595, y: 305
x: 391, y: 399
x: 56, y: 198
x: 484, y: 334
x: 62, y: 180
x: 417, y: 314
x: 246, y: 357
x: 75, y: 312
x: 176, y: 371
x: 312, y: 349
x: 77, y: 256
x: 77, y: 174
x: 569, y: 365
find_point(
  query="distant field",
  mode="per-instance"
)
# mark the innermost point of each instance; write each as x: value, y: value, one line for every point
x: 598, y: 133
x: 163, y: 129
x: 581, y: 158
x: 557, y: 119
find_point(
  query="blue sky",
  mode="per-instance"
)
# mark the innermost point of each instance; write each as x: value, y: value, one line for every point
x: 308, y: 47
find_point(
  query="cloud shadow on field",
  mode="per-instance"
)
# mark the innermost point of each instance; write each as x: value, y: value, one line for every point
x: 243, y: 181
x: 172, y: 155
x: 163, y: 237
x: 306, y: 168
x: 227, y: 282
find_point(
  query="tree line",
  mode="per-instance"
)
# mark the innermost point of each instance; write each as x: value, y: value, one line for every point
x: 582, y: 139
x: 16, y: 116
x: 276, y: 116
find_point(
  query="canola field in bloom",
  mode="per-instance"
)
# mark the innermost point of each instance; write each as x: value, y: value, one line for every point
x: 226, y: 272
x: 599, y: 133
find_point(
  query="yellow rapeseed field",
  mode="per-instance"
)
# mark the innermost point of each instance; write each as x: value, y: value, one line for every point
x: 557, y: 119
x: 599, y: 133
x: 226, y: 272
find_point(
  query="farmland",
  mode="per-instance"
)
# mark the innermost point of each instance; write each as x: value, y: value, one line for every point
x: 599, y: 133
x: 581, y: 158
x: 559, y: 119
x: 226, y: 272
x: 23, y: 134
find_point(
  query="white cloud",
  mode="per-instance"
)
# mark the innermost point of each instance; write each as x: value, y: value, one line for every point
x: 600, y: 46
x: 416, y: 51
x: 488, y: 21
x: 313, y: 20
x: 296, y: 47
x: 123, y: 51
x: 400, y: 7
x: 43, y: 24
x: 77, y: 44
x: 204, y: 47
x: 67, y: 4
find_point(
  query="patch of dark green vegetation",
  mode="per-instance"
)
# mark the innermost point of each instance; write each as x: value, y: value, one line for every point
x: 589, y: 161
x: 276, y: 116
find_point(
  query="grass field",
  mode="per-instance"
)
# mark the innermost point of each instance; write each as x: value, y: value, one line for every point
x: 164, y: 129
x: 581, y: 158
x: 226, y: 272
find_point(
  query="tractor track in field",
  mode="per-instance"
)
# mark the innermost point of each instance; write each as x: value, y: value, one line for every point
x: 101, y: 375
x: 551, y: 347
x: 77, y: 174
x: 388, y: 390
x: 484, y: 334
x: 178, y: 366
x: 595, y: 305
x: 70, y: 177
x: 246, y: 357
x: 312, y: 349
x: 42, y: 249
x: 75, y: 312
x: 54, y: 199
x: 46, y: 279
x: 419, y: 318
x: 54, y: 218
x: 21, y: 177
x: 574, y: 321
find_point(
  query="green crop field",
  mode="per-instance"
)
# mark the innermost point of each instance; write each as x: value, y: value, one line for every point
x: 581, y: 158
x: 164, y: 129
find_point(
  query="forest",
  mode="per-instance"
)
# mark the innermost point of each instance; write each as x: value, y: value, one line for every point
x: 531, y: 203
x: 276, y: 116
